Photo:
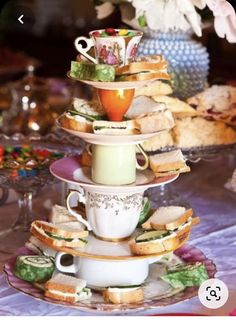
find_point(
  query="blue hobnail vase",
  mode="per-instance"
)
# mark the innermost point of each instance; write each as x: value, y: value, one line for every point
x: 188, y: 59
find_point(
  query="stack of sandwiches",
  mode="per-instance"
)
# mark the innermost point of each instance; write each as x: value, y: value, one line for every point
x: 82, y: 115
x: 144, y: 116
x: 166, y: 230
x: 168, y: 163
x: 62, y: 231
x: 144, y: 68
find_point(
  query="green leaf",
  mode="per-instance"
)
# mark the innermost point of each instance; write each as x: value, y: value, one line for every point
x: 142, y: 21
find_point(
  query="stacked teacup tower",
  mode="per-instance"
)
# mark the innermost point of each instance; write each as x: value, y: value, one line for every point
x: 117, y: 253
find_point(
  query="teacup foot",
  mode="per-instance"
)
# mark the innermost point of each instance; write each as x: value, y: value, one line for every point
x: 112, y: 239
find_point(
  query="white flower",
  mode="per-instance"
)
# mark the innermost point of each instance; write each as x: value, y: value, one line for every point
x: 166, y: 15
x: 187, y: 8
x: 104, y: 10
x: 225, y: 19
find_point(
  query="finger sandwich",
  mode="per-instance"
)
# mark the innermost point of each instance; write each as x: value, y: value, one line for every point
x: 66, y: 288
x: 62, y: 235
x: 123, y: 294
x: 82, y: 115
x: 168, y: 163
x: 170, y: 229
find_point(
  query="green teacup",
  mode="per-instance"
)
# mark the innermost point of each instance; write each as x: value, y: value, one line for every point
x: 116, y: 164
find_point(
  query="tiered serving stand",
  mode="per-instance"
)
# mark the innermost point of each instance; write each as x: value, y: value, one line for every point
x: 71, y: 171
x: 110, y: 253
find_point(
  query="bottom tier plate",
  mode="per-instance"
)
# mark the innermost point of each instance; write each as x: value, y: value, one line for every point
x: 156, y: 292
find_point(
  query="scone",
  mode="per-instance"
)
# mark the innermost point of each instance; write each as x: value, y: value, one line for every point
x: 178, y: 107
x: 154, y: 88
x: 162, y: 140
x: 217, y: 102
x: 197, y: 132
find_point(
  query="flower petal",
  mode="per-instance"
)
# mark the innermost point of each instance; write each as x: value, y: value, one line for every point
x: 104, y: 10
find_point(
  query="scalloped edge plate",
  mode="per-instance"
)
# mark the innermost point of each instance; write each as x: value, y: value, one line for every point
x: 187, y: 253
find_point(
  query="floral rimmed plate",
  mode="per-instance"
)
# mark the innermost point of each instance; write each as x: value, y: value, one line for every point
x: 156, y: 294
x: 70, y: 170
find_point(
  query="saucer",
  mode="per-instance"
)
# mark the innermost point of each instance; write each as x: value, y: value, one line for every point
x: 114, y: 85
x: 70, y: 170
x: 109, y: 139
x: 97, y: 249
x: 156, y: 294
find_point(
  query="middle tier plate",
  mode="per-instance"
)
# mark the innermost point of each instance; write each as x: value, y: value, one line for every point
x: 109, y: 139
x: 70, y: 170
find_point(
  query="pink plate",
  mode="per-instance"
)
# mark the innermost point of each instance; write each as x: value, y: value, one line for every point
x: 70, y: 170
x: 187, y: 253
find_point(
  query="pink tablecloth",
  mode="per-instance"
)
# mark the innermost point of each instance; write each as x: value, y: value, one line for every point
x: 215, y: 236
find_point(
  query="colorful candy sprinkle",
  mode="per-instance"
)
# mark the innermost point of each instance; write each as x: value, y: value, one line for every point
x: 25, y: 161
x: 123, y: 32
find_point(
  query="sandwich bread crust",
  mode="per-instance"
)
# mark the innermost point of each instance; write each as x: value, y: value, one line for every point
x: 118, y: 297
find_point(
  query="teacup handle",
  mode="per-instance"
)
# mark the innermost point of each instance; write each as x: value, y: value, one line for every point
x: 75, y: 214
x: 145, y: 166
x: 88, y: 148
x: 60, y: 267
x: 83, y: 51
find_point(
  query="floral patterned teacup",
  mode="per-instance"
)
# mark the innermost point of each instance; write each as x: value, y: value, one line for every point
x: 112, y: 217
x: 114, y: 50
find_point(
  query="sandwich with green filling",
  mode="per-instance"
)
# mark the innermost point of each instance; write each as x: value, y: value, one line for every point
x: 62, y: 235
x: 189, y: 275
x: 81, y: 116
x: 115, y: 127
x: 66, y: 288
x: 166, y: 230
x: 34, y: 268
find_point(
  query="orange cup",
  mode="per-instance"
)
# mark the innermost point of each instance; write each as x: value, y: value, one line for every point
x: 116, y: 102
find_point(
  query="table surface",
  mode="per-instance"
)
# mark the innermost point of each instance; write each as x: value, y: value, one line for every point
x: 215, y: 236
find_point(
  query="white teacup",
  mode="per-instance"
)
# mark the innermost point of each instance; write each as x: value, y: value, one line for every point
x: 112, y: 217
x: 105, y: 273
x: 112, y: 50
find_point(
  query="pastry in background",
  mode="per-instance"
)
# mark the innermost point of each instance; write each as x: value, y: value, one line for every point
x: 197, y: 132
x: 160, y: 141
x: 216, y: 103
x: 178, y: 107
x: 156, y: 87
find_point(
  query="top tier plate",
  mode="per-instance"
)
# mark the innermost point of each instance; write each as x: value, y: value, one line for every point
x: 113, y: 85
